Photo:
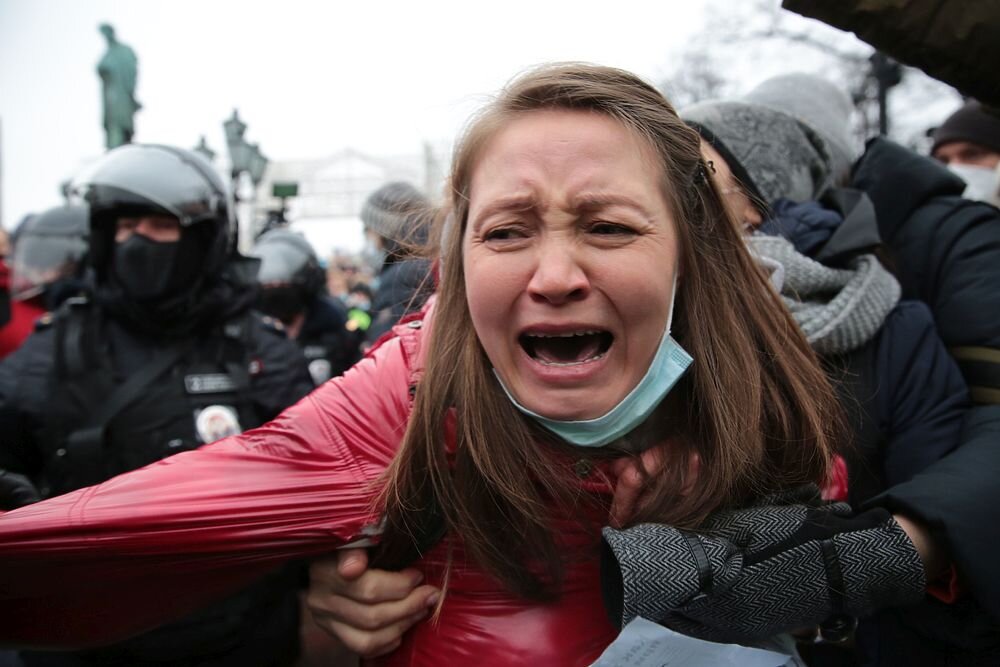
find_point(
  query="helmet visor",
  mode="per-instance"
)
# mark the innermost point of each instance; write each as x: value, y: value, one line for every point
x: 181, y: 183
x: 40, y: 260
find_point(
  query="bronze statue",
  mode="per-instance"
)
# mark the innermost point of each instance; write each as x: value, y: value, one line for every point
x: 118, y: 72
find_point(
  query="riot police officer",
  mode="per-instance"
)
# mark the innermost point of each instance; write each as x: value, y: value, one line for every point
x: 165, y: 357
x: 293, y: 290
x: 48, y: 267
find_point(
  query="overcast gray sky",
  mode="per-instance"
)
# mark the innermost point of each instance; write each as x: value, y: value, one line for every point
x: 309, y: 78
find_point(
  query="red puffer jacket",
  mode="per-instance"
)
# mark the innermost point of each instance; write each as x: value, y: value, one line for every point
x: 114, y: 559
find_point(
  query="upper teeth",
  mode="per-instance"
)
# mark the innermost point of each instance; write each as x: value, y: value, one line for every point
x: 564, y: 335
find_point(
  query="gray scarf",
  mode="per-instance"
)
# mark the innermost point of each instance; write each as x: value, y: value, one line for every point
x: 838, y: 310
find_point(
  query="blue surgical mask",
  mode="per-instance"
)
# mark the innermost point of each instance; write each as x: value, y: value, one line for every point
x: 669, y: 364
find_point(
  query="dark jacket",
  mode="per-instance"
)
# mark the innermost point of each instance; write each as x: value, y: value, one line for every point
x: 403, y: 287
x: 42, y: 400
x: 946, y: 252
x: 906, y: 401
x: 956, y: 41
x: 903, y: 393
x: 945, y: 249
x: 329, y: 346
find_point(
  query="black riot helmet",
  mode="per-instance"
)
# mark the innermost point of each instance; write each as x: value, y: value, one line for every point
x: 290, y: 274
x: 51, y: 248
x: 137, y: 179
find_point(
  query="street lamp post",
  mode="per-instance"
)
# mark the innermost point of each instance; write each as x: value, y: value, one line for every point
x: 243, y: 158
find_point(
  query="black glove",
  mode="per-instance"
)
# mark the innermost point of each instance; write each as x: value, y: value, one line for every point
x: 16, y: 491
x: 760, y: 571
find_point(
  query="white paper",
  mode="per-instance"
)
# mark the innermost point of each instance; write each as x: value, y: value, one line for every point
x: 643, y: 643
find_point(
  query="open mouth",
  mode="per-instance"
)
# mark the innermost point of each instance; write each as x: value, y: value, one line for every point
x: 566, y: 349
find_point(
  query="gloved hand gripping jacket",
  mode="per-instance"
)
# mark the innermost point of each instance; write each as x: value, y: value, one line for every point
x: 788, y: 563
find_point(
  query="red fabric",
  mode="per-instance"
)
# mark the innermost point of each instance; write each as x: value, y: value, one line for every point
x: 23, y: 315
x: 111, y: 560
x: 835, y: 488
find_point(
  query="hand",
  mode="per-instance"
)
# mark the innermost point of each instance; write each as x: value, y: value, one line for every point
x: 367, y: 610
x: 631, y: 482
x: 751, y: 573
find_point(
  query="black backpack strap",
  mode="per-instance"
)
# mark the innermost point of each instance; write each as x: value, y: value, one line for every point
x: 76, y: 338
x: 86, y: 443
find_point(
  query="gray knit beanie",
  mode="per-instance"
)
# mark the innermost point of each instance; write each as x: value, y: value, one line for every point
x: 823, y: 106
x: 393, y: 209
x: 781, y: 156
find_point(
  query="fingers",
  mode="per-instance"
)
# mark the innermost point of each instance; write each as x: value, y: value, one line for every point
x: 627, y: 491
x: 352, y: 563
x: 631, y: 482
x: 362, y: 585
x: 372, y: 629
x: 694, y: 469
x: 367, y: 610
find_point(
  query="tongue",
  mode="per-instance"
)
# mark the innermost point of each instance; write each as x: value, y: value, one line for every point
x: 567, y: 350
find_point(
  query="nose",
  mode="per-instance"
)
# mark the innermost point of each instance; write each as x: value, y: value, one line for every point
x: 559, y: 276
x: 146, y: 227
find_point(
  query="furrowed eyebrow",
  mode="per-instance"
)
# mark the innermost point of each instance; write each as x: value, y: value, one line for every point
x: 512, y: 203
x: 592, y: 201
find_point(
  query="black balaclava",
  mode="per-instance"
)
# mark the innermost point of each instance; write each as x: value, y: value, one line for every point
x: 150, y: 271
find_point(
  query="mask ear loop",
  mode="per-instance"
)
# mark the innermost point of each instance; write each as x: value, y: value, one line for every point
x: 673, y: 302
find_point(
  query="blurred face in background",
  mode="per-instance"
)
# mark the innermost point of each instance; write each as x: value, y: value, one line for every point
x: 968, y: 153
x: 734, y: 194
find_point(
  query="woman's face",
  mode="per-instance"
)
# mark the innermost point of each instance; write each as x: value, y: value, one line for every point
x: 736, y: 198
x: 570, y: 252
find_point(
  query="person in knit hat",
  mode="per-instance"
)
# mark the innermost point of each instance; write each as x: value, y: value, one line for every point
x: 971, y: 135
x: 848, y: 305
x: 391, y: 211
x: 821, y: 105
x: 771, y: 153
x: 968, y: 141
x: 396, y: 218
x: 944, y: 249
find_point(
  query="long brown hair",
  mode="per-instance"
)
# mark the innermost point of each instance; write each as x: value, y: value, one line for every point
x: 755, y: 406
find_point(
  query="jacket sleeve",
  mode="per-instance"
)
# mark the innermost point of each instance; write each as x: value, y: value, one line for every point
x: 961, y: 287
x: 922, y: 393
x: 958, y: 498
x: 112, y: 560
